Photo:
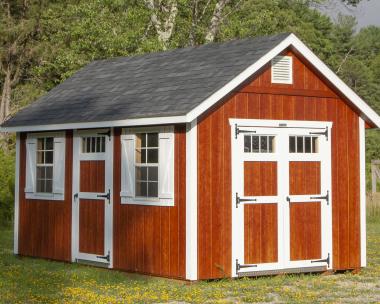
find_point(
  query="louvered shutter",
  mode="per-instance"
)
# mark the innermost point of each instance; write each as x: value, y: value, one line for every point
x: 282, y: 70
x: 127, y: 166
x: 166, y: 164
x: 59, y: 165
x: 30, y: 179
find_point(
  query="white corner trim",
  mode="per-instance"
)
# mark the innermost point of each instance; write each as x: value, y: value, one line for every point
x: 191, y: 201
x: 291, y: 40
x: 363, y: 228
x: 16, y: 196
x: 100, y: 124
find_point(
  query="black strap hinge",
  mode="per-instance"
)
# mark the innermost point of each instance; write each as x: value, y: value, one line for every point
x: 325, y: 197
x: 106, y: 196
x: 238, y: 131
x: 104, y: 257
x: 327, y: 260
x: 240, y: 266
x: 325, y: 133
x: 239, y: 200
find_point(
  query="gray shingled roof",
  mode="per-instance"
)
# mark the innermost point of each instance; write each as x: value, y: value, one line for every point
x: 168, y: 83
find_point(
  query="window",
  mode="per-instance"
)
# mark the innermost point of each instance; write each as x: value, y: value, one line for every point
x: 259, y: 144
x: 303, y: 144
x: 282, y: 69
x: 94, y: 144
x: 45, y: 166
x: 45, y: 155
x: 146, y: 171
x: 147, y: 166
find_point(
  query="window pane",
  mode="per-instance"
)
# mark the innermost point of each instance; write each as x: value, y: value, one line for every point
x: 315, y: 144
x: 247, y: 143
x: 141, y: 173
x: 40, y: 157
x: 308, y: 144
x: 292, y: 144
x: 40, y: 144
x: 49, y: 157
x: 103, y: 144
x: 40, y: 172
x: 93, y: 144
x: 143, y: 156
x: 299, y: 144
x: 49, y: 186
x: 98, y: 144
x: 49, y: 143
x: 88, y: 149
x: 141, y: 189
x: 40, y: 185
x: 271, y: 144
x: 83, y: 144
x: 264, y: 144
x: 153, y: 156
x: 152, y: 189
x: 255, y: 144
x: 49, y: 172
x: 153, y: 174
x: 152, y: 139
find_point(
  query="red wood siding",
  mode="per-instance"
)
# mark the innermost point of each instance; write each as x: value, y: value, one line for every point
x: 304, y: 178
x: 151, y: 239
x: 91, y: 226
x: 214, y: 164
x: 92, y: 176
x: 260, y: 178
x: 45, y: 226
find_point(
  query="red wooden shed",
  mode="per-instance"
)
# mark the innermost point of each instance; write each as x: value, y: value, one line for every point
x: 230, y: 159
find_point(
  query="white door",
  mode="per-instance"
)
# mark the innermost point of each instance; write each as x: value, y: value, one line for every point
x: 92, y: 196
x: 281, y: 202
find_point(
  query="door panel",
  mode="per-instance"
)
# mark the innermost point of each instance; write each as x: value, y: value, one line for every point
x: 304, y: 178
x: 260, y: 178
x: 305, y: 231
x: 92, y: 176
x: 260, y: 233
x: 91, y: 226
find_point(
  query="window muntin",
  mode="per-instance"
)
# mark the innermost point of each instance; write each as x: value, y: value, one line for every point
x: 259, y: 143
x: 303, y: 144
x: 94, y: 144
x: 146, y: 165
x: 44, y: 164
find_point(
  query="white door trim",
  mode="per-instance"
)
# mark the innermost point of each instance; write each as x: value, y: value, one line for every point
x: 283, y: 129
x: 108, y: 211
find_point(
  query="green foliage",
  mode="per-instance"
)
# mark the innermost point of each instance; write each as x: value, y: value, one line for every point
x: 6, y: 187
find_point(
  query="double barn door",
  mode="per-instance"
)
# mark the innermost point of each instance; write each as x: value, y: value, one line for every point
x: 92, y: 197
x: 281, y: 209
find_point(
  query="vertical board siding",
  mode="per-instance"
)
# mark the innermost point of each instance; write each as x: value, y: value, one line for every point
x: 91, y: 226
x: 92, y: 176
x: 260, y: 178
x: 304, y: 178
x: 151, y: 239
x: 45, y: 226
x: 214, y: 165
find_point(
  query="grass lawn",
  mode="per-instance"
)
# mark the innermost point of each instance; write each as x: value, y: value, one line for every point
x: 28, y: 280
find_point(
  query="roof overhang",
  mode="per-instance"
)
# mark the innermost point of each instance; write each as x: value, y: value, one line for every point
x: 366, y: 112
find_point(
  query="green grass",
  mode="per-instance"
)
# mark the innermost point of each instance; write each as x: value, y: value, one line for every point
x: 28, y: 280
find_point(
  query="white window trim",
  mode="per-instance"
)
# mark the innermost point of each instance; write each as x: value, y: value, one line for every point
x: 149, y: 201
x: 46, y: 196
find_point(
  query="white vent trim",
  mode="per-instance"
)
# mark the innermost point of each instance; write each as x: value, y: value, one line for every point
x: 282, y: 69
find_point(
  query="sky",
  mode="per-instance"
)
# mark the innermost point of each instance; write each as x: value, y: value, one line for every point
x: 366, y: 13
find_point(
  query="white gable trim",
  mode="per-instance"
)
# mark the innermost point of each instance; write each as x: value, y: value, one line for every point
x: 291, y: 40
x: 366, y: 112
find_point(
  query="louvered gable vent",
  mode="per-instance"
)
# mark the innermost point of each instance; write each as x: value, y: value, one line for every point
x: 282, y: 69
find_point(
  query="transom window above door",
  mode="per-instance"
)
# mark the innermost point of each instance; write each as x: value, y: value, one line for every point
x: 303, y: 144
x: 146, y: 165
x: 259, y: 143
x: 94, y: 144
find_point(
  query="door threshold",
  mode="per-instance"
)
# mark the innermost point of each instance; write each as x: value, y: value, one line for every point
x: 92, y: 263
x: 258, y: 273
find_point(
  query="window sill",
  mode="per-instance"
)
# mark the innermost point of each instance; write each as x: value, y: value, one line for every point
x: 147, y: 202
x: 44, y: 196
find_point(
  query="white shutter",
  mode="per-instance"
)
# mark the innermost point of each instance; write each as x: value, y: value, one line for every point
x: 166, y: 164
x: 59, y: 165
x: 128, y: 166
x: 282, y: 69
x: 30, y: 179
